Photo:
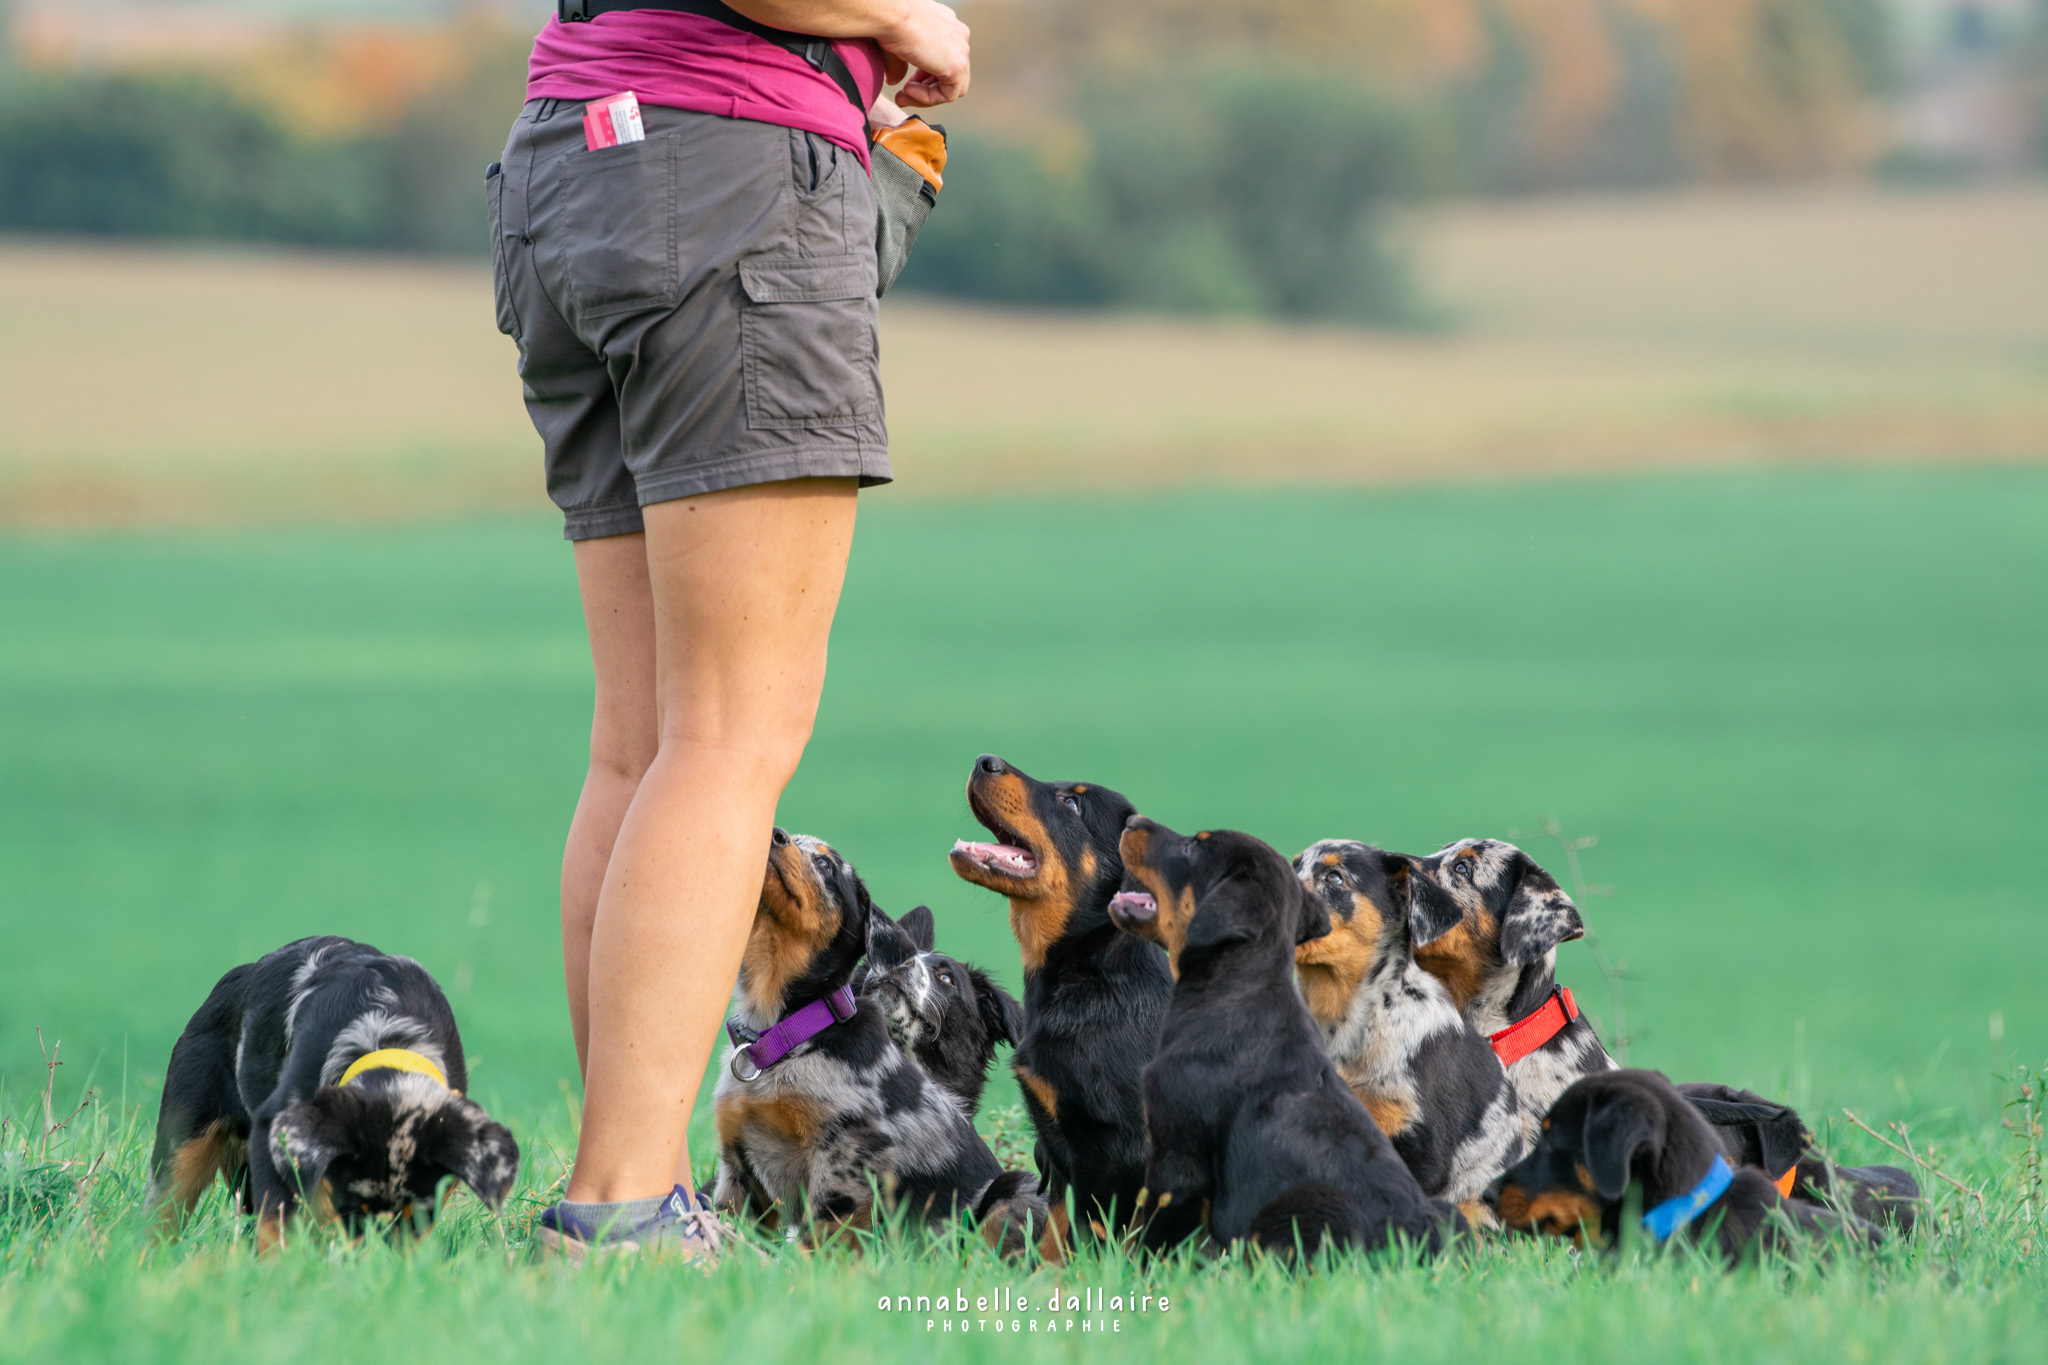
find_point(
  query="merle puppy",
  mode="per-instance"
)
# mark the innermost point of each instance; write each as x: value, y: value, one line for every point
x: 1618, y: 1129
x: 817, y: 1107
x: 1429, y: 1080
x: 946, y: 1013
x: 1253, y: 1133
x: 1093, y: 998
x: 1487, y: 924
x: 325, y: 1073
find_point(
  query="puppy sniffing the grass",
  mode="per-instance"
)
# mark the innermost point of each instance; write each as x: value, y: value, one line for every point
x: 817, y: 1107
x: 1620, y: 1129
x: 1093, y: 998
x: 944, y: 1012
x: 1253, y: 1134
x: 1428, y: 1078
x: 325, y: 1073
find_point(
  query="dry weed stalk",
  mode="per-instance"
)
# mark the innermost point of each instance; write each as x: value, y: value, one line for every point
x: 1618, y: 1038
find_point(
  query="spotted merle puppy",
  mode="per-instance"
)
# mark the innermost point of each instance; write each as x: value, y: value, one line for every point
x: 1093, y: 998
x: 325, y: 1073
x: 1487, y: 921
x: 1253, y: 1133
x: 811, y: 1134
x: 1428, y: 1078
x: 1753, y: 1131
x: 1615, y: 1130
x: 944, y: 1012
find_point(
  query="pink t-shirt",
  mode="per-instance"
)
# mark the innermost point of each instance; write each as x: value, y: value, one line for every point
x: 688, y: 61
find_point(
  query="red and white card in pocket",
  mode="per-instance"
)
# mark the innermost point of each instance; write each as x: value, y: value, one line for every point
x: 612, y: 120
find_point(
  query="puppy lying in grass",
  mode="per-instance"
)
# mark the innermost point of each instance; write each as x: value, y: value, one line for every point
x: 1093, y: 997
x: 330, y: 1074
x: 1753, y: 1131
x: 817, y: 1107
x: 944, y: 1012
x: 1428, y: 1078
x: 1623, y: 1130
x: 1253, y: 1134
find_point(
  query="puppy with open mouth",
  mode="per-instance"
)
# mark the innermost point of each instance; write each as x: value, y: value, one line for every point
x: 1252, y: 1132
x: 1093, y: 998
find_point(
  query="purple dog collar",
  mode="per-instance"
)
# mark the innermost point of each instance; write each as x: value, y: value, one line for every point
x: 790, y: 1032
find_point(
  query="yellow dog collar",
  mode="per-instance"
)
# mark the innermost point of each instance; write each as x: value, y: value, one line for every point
x: 394, y: 1059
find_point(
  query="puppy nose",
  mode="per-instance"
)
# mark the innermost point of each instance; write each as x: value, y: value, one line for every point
x: 989, y: 764
x: 778, y: 836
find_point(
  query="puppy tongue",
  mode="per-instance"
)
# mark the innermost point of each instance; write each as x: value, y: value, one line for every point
x: 1008, y: 858
x: 1137, y: 905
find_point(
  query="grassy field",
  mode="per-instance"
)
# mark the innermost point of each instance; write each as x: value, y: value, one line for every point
x: 188, y: 385
x: 1802, y: 710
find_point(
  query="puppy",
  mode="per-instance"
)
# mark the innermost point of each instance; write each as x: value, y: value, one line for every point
x: 1753, y: 1131
x: 1252, y: 1131
x: 330, y: 1073
x: 1093, y: 998
x: 816, y: 1105
x: 1486, y: 922
x: 942, y: 1011
x: 1621, y: 1128
x: 1430, y: 1081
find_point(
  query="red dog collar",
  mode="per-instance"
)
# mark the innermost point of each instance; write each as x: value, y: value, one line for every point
x: 1533, y: 1030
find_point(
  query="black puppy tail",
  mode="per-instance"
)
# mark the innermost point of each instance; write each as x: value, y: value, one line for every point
x: 1011, y: 1212
x: 1307, y: 1217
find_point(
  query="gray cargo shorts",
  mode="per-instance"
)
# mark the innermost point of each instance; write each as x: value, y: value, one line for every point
x: 694, y: 312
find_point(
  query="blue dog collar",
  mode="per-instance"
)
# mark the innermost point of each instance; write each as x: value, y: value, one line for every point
x: 1673, y: 1214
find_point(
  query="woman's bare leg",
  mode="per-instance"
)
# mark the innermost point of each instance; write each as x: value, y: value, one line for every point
x: 618, y: 611
x: 744, y: 584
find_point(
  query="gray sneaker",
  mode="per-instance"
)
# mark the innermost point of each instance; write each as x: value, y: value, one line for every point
x: 683, y: 1228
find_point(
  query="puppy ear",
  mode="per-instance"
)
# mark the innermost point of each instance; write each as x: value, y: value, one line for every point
x: 305, y: 1138
x: 1313, y: 920
x: 1539, y: 915
x: 918, y: 924
x: 465, y: 1142
x: 1616, y: 1130
x: 1228, y: 914
x: 1001, y: 1015
x: 1768, y: 1135
x: 1432, y: 912
x: 889, y: 943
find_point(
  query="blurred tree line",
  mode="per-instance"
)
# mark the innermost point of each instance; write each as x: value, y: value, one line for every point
x: 1202, y: 155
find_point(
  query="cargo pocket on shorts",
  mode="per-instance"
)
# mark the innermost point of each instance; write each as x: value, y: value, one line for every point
x: 619, y: 218
x: 807, y: 337
x: 501, y: 277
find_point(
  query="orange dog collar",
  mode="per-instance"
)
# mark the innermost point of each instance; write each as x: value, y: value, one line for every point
x: 1784, y: 1182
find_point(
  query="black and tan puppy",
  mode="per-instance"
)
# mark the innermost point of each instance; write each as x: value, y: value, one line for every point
x: 1093, y: 998
x: 1772, y: 1137
x: 327, y: 1073
x: 1619, y: 1129
x: 1487, y: 922
x: 944, y: 1012
x: 1253, y: 1134
x: 816, y: 1105
x: 1428, y: 1078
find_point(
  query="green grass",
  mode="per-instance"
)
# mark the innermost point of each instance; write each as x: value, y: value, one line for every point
x: 1806, y: 713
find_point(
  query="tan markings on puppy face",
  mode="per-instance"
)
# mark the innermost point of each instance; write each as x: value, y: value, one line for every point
x: 796, y: 918
x: 791, y: 1119
x: 213, y: 1151
x: 1559, y: 1213
x: 1041, y: 1090
x: 1461, y: 958
x: 1392, y: 1115
x: 1169, y: 928
x: 1331, y: 967
x: 1042, y: 904
x: 1585, y: 1177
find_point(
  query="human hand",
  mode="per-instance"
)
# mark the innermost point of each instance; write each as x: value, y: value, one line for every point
x: 929, y: 45
x: 885, y: 113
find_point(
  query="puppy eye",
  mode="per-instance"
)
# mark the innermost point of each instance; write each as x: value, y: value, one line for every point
x: 1071, y: 803
x: 822, y: 863
x: 1333, y: 879
x: 946, y: 977
x: 1463, y: 868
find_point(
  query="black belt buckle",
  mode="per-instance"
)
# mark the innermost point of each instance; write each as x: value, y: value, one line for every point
x: 572, y: 11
